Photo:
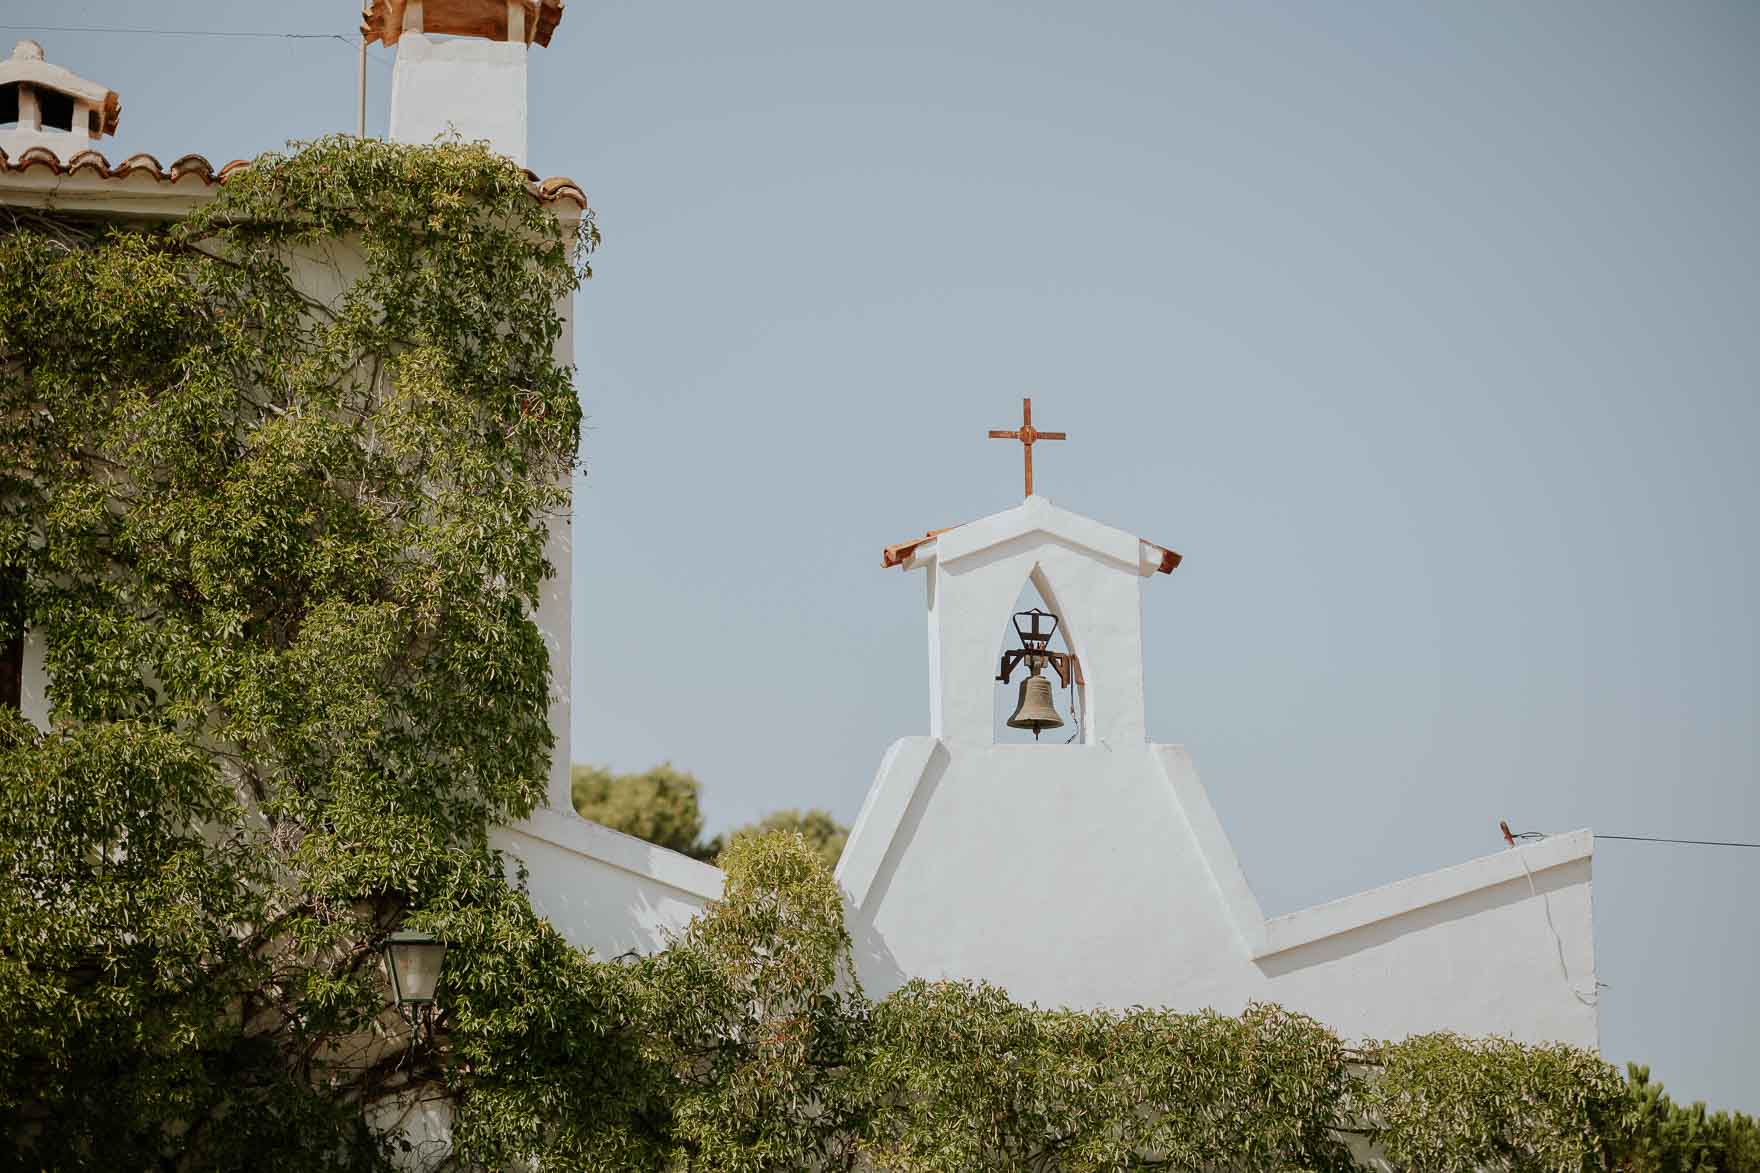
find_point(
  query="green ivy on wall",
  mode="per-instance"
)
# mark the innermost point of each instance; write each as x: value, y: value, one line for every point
x: 278, y: 478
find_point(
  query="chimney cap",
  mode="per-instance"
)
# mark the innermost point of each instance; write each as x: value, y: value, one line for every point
x: 28, y: 67
x: 382, y: 20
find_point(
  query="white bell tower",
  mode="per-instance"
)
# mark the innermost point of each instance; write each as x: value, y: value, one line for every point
x: 1095, y: 873
x: 1089, y: 575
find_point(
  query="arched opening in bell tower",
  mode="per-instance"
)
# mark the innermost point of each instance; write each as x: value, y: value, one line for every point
x: 1021, y: 707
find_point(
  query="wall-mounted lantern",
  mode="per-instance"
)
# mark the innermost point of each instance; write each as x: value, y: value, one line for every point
x: 412, y: 960
x: 1035, y: 708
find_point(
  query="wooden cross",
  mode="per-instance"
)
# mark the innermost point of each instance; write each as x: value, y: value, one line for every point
x: 1027, y: 435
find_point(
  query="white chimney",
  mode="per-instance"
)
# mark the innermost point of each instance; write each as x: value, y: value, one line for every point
x: 43, y: 105
x: 461, y: 66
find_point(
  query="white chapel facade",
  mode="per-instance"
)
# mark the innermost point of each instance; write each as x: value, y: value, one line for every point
x: 1095, y: 873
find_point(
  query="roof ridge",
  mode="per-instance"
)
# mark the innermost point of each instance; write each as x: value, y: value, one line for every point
x: 548, y: 191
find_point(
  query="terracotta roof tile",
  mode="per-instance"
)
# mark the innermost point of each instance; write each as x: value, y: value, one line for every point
x: 89, y: 161
x: 92, y: 162
x: 191, y: 165
x: 140, y: 162
x: 557, y: 187
x: 895, y: 555
x: 39, y: 156
x: 382, y: 20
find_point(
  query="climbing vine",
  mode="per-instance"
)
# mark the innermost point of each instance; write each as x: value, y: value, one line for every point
x: 275, y: 483
x: 277, y: 478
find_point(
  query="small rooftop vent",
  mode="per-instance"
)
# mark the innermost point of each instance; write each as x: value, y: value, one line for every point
x: 43, y: 105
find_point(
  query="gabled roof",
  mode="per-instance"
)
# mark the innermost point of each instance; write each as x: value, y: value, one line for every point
x: 1035, y: 514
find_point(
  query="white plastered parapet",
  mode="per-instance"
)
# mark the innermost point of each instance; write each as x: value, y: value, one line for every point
x: 1099, y: 876
x: 604, y: 890
x: 909, y: 761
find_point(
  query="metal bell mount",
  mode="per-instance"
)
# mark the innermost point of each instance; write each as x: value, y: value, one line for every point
x: 1035, y: 708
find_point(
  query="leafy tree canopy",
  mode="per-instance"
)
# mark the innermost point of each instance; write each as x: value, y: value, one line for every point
x: 660, y: 805
x: 822, y: 833
x: 663, y: 806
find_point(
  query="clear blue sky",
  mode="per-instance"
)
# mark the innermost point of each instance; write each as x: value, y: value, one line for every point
x: 1426, y: 332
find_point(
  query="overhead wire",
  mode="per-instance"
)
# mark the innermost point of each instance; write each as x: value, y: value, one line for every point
x: 351, y: 42
x: 1593, y: 997
x: 1689, y: 842
x: 1512, y: 836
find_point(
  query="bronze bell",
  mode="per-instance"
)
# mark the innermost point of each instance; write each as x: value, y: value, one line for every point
x: 1035, y: 710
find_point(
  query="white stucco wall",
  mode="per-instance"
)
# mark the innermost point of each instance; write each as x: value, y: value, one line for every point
x: 1075, y: 876
x: 33, y: 698
x: 1096, y: 874
x: 555, y: 613
x: 473, y: 87
x: 604, y: 890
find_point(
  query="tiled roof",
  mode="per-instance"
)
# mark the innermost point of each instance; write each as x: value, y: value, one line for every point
x: 95, y: 165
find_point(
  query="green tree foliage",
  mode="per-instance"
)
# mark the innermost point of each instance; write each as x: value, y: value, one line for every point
x: 824, y: 834
x: 967, y: 1079
x: 1454, y: 1105
x: 750, y: 1046
x: 660, y: 805
x: 663, y: 806
x: 1677, y: 1138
